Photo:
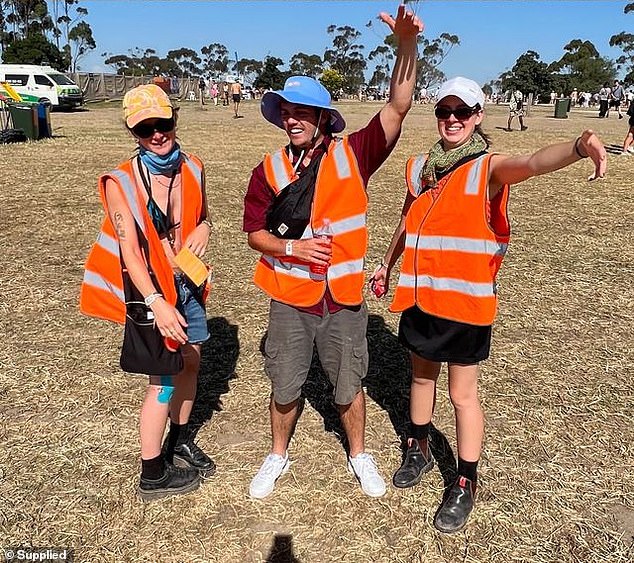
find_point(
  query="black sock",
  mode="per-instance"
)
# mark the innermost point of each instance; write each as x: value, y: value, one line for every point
x: 153, y: 468
x: 177, y: 435
x: 420, y: 432
x: 468, y: 469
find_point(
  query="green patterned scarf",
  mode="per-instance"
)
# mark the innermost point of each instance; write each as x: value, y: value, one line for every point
x: 439, y: 160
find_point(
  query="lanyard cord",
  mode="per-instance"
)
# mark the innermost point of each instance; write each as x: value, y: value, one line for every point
x: 148, y: 188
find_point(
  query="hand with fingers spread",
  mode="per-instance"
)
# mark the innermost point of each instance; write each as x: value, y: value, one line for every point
x: 405, y: 24
x: 589, y: 145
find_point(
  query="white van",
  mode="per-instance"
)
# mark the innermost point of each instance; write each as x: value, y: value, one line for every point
x: 43, y: 84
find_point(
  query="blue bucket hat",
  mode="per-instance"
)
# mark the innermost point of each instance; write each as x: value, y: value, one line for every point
x: 300, y: 90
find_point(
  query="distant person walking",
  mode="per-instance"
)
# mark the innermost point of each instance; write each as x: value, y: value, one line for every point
x: 213, y: 92
x: 236, y: 96
x: 225, y: 94
x: 516, y: 109
x: 201, y: 90
x: 604, y: 100
x: 628, y: 142
x: 616, y: 97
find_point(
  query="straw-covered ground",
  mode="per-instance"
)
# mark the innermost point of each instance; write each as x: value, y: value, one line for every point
x: 556, y: 471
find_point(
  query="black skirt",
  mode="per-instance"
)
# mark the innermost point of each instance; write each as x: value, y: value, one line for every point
x: 442, y: 340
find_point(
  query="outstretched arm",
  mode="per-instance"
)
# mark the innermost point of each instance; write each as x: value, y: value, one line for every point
x: 514, y: 169
x: 406, y: 27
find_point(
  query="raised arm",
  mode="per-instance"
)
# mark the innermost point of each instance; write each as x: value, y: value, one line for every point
x: 406, y: 27
x: 514, y: 169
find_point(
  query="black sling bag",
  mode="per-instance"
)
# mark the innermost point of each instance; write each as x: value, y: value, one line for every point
x: 291, y: 209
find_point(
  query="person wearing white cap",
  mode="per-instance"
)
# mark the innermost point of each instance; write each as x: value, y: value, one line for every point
x: 313, y: 250
x: 453, y: 234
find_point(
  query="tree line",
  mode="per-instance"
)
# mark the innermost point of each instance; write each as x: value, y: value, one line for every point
x: 56, y: 32
x: 581, y: 67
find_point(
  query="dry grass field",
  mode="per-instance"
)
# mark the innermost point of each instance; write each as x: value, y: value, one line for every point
x: 556, y: 473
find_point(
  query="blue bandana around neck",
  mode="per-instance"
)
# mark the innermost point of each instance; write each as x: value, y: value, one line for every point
x: 157, y: 164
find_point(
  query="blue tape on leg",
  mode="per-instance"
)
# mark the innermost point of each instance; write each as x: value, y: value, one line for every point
x: 166, y: 390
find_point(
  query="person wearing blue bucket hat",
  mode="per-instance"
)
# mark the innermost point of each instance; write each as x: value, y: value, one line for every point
x: 305, y: 211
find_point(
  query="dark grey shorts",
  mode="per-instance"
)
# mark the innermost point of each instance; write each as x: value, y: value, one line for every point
x: 341, y: 344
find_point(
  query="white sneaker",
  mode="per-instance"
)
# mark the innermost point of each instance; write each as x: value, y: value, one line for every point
x: 364, y: 469
x: 630, y: 150
x: 272, y: 469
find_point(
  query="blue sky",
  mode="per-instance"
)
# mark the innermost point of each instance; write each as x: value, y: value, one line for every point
x: 492, y: 33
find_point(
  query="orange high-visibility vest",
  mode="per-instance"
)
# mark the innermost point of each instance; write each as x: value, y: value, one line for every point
x: 101, y: 294
x: 339, y: 197
x: 452, y: 254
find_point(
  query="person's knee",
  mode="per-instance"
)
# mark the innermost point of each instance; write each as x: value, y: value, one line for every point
x: 283, y: 407
x: 464, y: 397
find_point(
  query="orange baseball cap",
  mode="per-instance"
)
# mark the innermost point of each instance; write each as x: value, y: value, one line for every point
x: 148, y: 101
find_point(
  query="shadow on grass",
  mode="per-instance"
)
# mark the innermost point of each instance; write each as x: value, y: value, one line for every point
x: 219, y: 356
x: 282, y: 550
x: 388, y: 385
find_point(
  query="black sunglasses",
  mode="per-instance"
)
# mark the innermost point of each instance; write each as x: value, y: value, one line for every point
x: 462, y: 113
x: 144, y: 130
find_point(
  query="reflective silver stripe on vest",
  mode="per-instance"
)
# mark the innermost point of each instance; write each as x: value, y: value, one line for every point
x: 348, y: 225
x: 282, y: 179
x: 108, y: 243
x: 345, y: 269
x: 448, y: 284
x: 415, y: 172
x: 461, y: 244
x: 341, y: 161
x: 195, y: 170
x: 96, y: 280
x: 301, y: 271
x: 473, y: 179
x: 130, y: 193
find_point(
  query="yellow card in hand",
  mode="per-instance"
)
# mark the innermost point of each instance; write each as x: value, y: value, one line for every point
x: 192, y: 266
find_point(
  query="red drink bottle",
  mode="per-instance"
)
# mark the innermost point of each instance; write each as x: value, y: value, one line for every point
x: 324, y: 232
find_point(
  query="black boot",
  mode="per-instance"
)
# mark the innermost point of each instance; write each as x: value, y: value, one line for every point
x: 454, y: 512
x: 174, y: 481
x: 415, y: 465
x: 190, y: 455
x: 180, y: 450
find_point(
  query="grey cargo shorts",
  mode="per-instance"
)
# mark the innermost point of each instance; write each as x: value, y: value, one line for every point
x: 341, y: 344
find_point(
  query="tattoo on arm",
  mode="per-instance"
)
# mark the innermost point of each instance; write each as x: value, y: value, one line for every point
x: 118, y: 225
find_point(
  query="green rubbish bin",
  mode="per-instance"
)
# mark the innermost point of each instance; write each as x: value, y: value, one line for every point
x: 562, y: 107
x: 25, y: 117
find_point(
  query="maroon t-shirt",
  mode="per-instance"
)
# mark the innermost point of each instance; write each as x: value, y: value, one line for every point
x: 370, y: 149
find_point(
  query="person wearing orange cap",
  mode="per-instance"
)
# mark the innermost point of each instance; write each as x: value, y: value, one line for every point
x: 155, y: 207
x: 453, y: 233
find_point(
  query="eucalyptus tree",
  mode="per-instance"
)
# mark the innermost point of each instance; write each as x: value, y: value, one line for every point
x: 306, y: 65
x: 346, y: 56
x: 625, y: 42
x: 215, y: 59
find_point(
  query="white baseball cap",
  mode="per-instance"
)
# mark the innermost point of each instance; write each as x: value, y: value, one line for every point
x: 464, y: 88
